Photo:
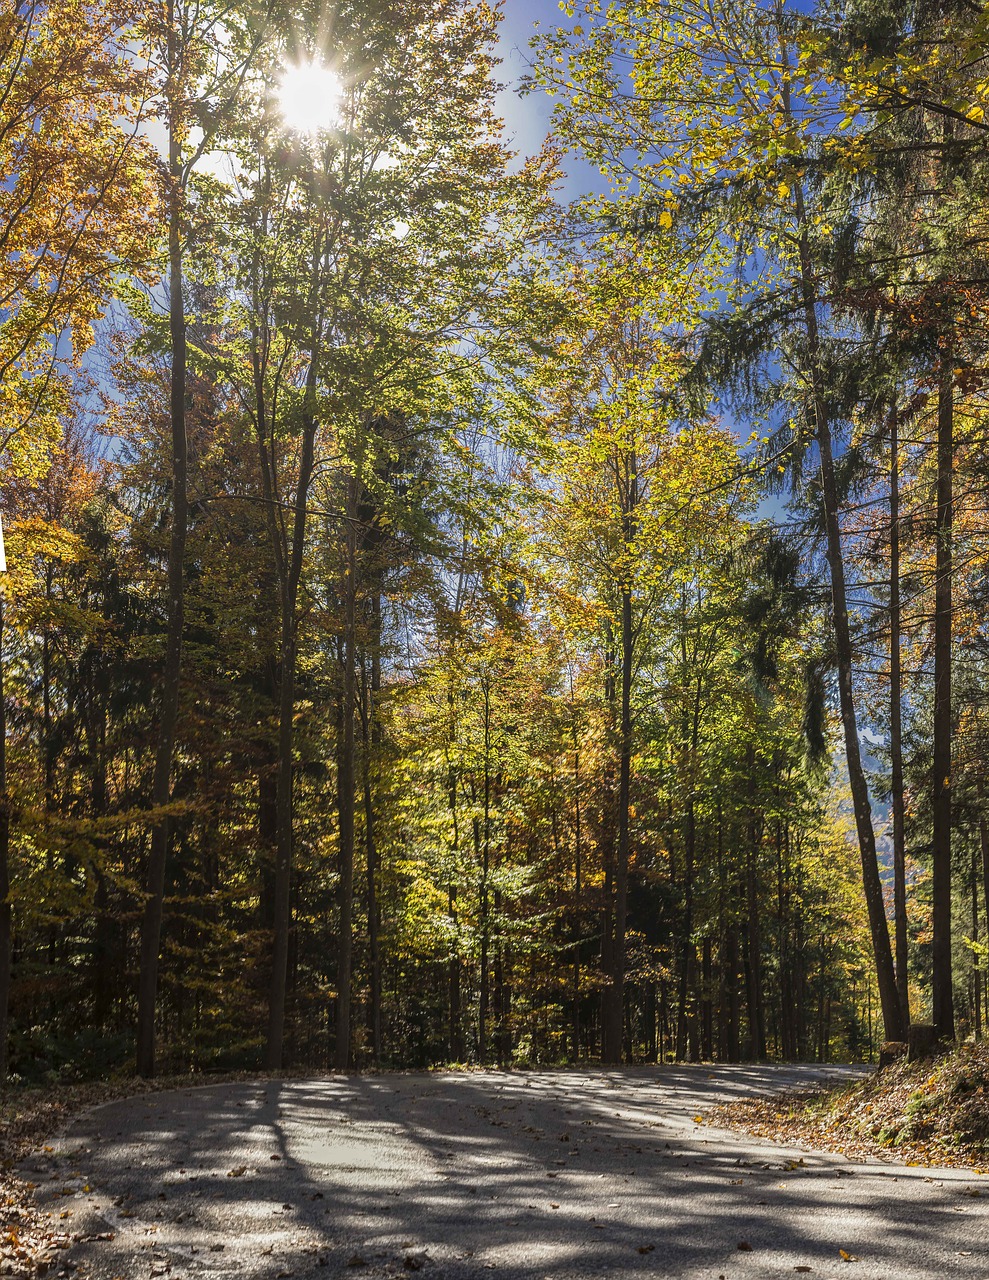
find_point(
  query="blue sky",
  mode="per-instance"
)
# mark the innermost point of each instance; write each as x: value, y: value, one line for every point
x: 527, y: 119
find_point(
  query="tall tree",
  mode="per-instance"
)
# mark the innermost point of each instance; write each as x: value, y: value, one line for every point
x: 199, y: 52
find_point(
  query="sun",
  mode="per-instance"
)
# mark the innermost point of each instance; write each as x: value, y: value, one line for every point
x: 309, y: 97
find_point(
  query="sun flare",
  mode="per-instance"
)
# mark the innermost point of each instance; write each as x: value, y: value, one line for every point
x: 310, y: 97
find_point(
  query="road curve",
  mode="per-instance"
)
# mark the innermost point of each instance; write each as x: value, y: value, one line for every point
x: 555, y: 1174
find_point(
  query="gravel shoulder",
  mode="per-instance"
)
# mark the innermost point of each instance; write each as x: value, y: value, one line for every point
x: 544, y: 1174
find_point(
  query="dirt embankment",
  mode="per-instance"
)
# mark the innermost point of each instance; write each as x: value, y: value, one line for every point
x: 933, y: 1112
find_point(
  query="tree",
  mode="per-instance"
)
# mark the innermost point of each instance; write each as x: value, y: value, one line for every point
x: 714, y: 97
x: 203, y: 55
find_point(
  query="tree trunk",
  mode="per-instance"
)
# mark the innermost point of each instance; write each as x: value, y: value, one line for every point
x: 984, y: 848
x: 688, y: 955
x: 976, y: 959
x: 707, y: 1021
x: 289, y: 561
x: 613, y: 1007
x: 6, y: 930
x: 481, y: 853
x: 458, y: 1050
x: 371, y: 745
x: 895, y: 724
x: 171, y: 674
x: 753, y: 963
x: 282, y: 910
x: 871, y: 882
x: 345, y: 787
x: 373, y: 923
x: 577, y: 891
x: 941, y: 980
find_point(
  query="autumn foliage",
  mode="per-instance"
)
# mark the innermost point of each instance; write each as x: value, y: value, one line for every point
x: 443, y: 624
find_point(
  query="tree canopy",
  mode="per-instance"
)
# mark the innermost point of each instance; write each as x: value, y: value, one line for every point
x: 445, y: 623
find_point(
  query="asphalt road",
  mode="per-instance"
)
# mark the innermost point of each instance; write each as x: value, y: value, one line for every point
x: 549, y: 1174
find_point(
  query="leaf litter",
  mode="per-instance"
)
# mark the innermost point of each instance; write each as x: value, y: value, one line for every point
x: 928, y: 1113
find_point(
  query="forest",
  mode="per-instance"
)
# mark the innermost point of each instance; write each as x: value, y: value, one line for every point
x: 447, y: 620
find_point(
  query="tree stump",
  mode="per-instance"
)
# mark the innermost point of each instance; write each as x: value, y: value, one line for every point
x: 891, y: 1051
x: 920, y: 1041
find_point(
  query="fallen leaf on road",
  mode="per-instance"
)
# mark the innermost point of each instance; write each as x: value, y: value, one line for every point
x: 847, y: 1257
x: 238, y: 1172
x: 646, y: 1248
x: 803, y: 1268
x: 744, y: 1246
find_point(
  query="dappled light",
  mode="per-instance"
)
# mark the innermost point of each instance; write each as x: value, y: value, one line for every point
x: 562, y: 1173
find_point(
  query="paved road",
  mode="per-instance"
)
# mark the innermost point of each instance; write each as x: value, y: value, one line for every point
x: 551, y: 1174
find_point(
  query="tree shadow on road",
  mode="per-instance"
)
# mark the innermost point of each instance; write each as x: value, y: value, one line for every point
x: 549, y: 1173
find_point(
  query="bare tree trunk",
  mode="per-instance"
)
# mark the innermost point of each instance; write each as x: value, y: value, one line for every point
x: 289, y: 560
x: 688, y: 955
x: 895, y: 724
x: 941, y: 978
x: 871, y: 881
x: 480, y: 852
x: 984, y: 847
x: 613, y: 1004
x: 370, y: 744
x: 613, y: 1007
x: 161, y: 787
x: 753, y: 967
x: 485, y: 914
x: 577, y: 891
x: 607, y: 840
x: 976, y: 960
x: 457, y: 1046
x: 373, y: 924
x: 345, y: 787
x: 6, y: 930
x: 707, y: 1012
x: 277, y: 996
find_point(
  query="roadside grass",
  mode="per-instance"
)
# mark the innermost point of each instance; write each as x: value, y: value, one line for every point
x: 933, y: 1112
